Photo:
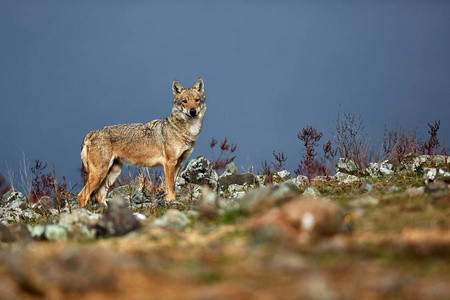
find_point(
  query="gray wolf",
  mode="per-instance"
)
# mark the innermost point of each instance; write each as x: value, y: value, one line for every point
x: 164, y: 143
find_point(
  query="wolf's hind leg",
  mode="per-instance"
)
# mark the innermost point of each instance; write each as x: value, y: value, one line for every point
x: 94, y: 177
x: 113, y: 172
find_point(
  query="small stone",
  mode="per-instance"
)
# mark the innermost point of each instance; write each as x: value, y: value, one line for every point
x: 413, y: 192
x: 173, y: 219
x: 139, y: 216
x: 300, y: 180
x: 311, y: 191
x: 55, y: 233
x: 366, y: 186
x: 230, y: 169
x: 429, y: 174
x: 346, y: 178
x: 284, y: 175
x: 394, y: 189
x: 36, y: 231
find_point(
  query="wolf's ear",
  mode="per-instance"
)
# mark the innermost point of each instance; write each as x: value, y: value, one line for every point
x: 199, y: 85
x: 177, y: 87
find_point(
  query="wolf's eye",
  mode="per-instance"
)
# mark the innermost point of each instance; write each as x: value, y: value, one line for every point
x: 184, y: 101
x: 197, y: 100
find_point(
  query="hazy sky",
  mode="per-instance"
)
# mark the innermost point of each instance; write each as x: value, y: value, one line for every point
x: 270, y: 68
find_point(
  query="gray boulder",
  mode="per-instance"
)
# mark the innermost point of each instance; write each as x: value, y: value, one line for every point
x: 347, y: 166
x: 413, y: 163
x: 200, y: 171
x: 235, y: 185
x: 346, y: 178
x: 14, y: 196
x: 378, y: 170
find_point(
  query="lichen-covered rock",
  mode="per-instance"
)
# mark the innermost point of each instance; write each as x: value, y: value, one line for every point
x: 412, y: 163
x: 230, y: 169
x: 346, y: 178
x: 429, y: 174
x: 347, y: 166
x: 299, y: 181
x: 277, y: 177
x: 284, y: 175
x: 13, y: 195
x: 29, y: 214
x: 200, y: 171
x: 10, y: 215
x: 235, y: 185
x: 378, y: 170
x: 117, y: 219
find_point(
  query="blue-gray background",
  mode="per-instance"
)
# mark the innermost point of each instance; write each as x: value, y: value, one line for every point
x: 270, y: 68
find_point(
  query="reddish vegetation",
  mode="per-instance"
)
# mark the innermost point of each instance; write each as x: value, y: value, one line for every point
x: 43, y: 184
x: 432, y: 146
x: 309, y: 165
x: 225, y: 156
x: 281, y: 159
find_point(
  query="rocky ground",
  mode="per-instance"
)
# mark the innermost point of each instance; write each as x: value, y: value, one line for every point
x: 378, y: 233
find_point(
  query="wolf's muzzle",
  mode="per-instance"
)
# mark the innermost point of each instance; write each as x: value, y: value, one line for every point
x: 193, y: 112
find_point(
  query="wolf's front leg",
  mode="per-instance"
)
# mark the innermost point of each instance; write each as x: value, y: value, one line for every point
x: 169, y: 172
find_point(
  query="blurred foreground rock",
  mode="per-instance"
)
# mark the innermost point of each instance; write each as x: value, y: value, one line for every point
x: 299, y: 220
x: 117, y: 219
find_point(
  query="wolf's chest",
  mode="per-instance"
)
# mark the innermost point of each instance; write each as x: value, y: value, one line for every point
x: 194, y: 126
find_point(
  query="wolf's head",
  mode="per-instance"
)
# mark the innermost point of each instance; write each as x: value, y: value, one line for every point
x: 189, y: 102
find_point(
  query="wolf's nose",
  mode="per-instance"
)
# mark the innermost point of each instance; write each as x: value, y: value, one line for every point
x: 193, y: 112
